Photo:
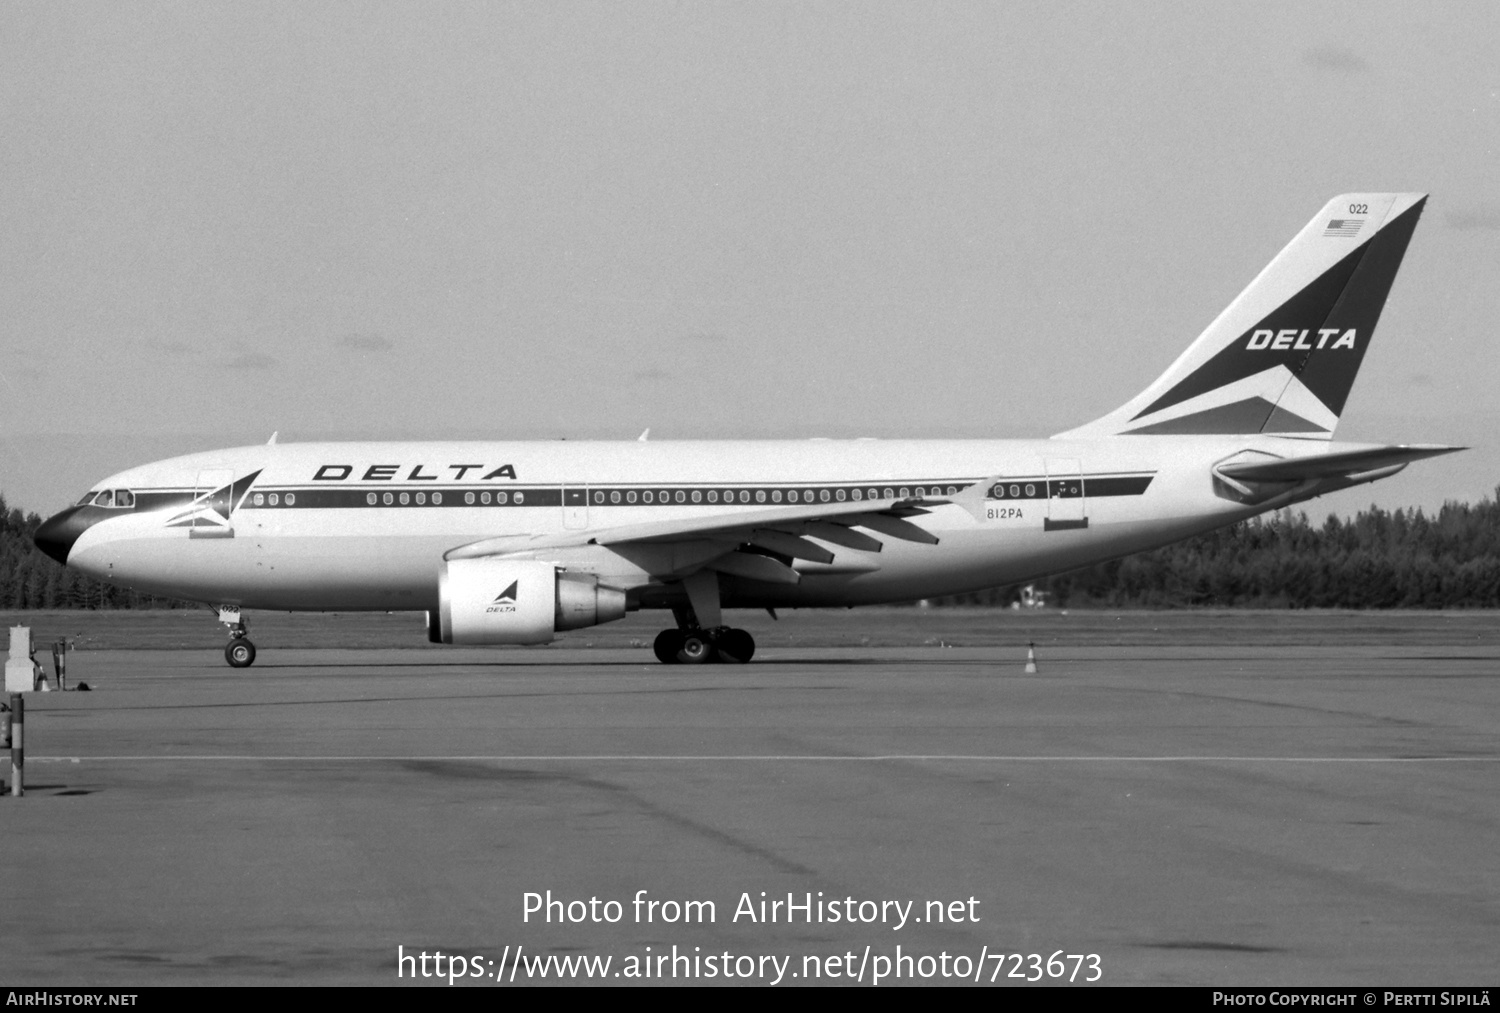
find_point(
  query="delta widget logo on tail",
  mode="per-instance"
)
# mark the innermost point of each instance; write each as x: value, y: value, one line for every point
x: 1282, y: 358
x: 505, y: 601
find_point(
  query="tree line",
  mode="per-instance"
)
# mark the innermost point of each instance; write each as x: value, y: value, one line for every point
x: 1378, y: 559
x: 30, y: 579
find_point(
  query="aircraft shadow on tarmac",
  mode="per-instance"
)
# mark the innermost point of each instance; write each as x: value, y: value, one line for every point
x: 426, y: 698
x: 652, y: 665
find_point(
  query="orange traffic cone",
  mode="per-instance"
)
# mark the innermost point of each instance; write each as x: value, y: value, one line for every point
x: 1031, y: 659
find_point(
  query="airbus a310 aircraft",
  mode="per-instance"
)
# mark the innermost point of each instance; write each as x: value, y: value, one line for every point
x: 509, y: 543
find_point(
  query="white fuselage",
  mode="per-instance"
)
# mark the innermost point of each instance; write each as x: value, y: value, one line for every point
x: 327, y: 526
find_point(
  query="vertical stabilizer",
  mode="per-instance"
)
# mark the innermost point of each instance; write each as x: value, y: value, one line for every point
x: 1281, y: 359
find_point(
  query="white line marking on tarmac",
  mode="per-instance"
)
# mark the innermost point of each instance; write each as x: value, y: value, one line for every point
x: 244, y: 758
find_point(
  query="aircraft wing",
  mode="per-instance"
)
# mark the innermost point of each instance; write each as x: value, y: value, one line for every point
x: 779, y: 529
x: 1345, y: 464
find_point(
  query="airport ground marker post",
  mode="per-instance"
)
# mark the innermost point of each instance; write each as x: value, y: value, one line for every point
x: 60, y: 662
x: 17, y: 744
x: 20, y: 667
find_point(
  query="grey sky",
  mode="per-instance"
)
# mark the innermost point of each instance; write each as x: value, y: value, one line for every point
x: 756, y: 219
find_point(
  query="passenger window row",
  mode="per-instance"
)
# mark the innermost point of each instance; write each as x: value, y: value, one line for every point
x: 652, y: 496
x: 646, y: 497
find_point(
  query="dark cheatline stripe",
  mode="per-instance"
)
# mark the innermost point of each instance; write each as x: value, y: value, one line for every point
x: 152, y: 499
x: 1030, y: 487
x: 1116, y: 485
x: 594, y: 495
x: 1094, y: 486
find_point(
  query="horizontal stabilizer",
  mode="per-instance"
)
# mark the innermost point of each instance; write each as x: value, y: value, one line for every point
x: 1319, y: 466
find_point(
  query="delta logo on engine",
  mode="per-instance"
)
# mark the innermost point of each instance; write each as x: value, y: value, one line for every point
x: 505, y: 601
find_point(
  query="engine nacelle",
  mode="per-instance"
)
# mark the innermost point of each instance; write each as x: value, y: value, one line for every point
x: 499, y: 601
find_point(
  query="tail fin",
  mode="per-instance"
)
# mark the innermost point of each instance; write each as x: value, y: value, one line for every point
x: 1282, y: 357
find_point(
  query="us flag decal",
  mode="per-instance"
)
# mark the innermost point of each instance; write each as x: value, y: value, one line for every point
x: 1343, y: 226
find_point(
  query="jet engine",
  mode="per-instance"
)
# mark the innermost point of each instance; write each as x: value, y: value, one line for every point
x: 499, y: 601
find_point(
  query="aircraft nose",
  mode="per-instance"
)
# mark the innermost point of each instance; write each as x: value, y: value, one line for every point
x: 58, y: 533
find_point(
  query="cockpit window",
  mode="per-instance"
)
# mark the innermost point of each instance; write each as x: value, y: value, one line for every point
x: 117, y: 498
x: 88, y: 498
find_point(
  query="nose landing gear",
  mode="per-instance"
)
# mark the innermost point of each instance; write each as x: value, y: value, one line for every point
x: 239, y: 652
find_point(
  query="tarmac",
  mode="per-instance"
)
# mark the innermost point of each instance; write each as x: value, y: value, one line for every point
x: 1209, y: 815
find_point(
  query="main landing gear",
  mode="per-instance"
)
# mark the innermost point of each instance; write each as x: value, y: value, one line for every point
x: 701, y: 635
x: 696, y: 646
x: 239, y: 652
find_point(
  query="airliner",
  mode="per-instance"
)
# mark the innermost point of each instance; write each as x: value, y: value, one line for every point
x: 513, y: 542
